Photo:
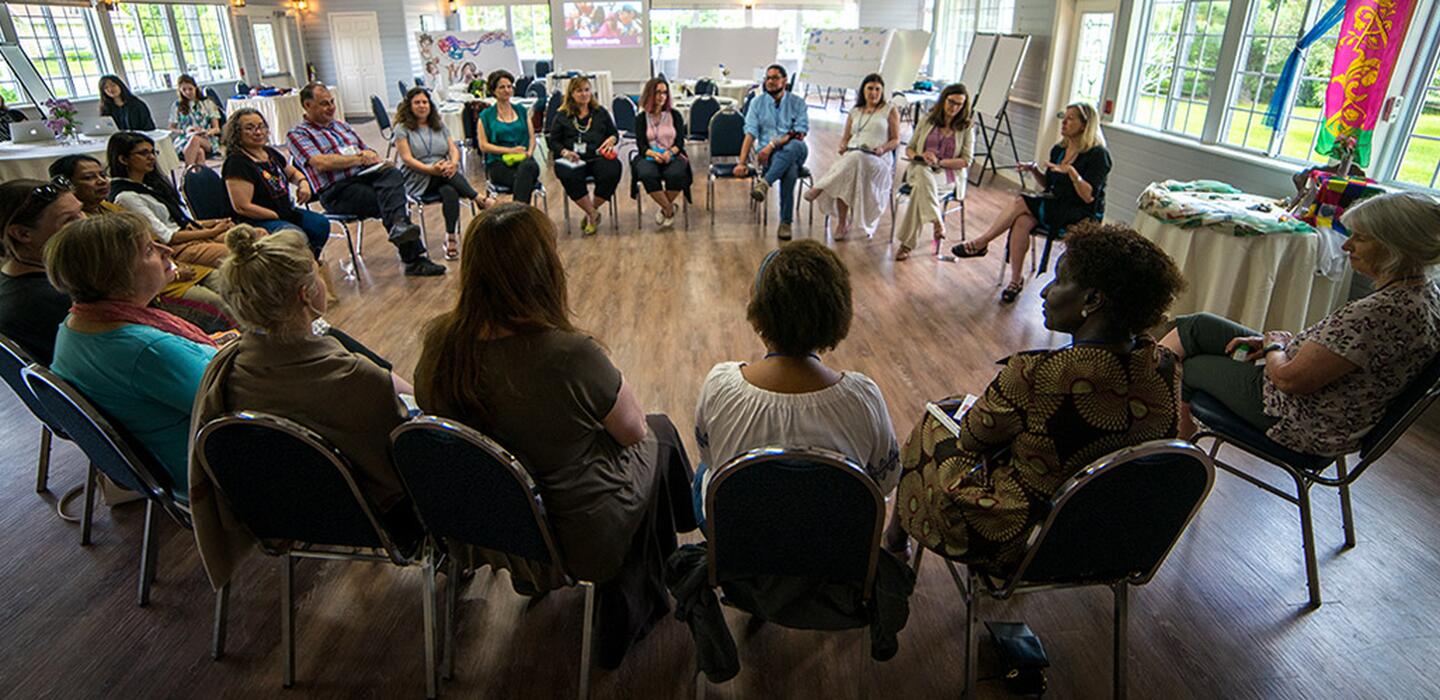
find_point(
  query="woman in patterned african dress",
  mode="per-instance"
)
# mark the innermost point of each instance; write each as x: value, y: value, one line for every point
x: 1049, y: 413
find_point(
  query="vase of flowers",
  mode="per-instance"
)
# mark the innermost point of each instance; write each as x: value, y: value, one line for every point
x: 63, y: 119
x: 1344, y: 150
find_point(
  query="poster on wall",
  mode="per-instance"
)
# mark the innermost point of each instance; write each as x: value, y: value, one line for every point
x: 456, y: 58
x: 603, y: 25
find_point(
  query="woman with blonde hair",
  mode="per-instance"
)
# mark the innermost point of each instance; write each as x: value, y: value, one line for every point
x: 431, y: 162
x: 939, y: 152
x: 1074, y: 180
x: 509, y: 362
x: 281, y: 366
x: 582, y: 139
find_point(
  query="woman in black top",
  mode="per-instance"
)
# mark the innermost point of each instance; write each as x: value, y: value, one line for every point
x: 118, y: 103
x: 1074, y: 180
x: 661, y: 161
x: 258, y: 179
x: 582, y: 139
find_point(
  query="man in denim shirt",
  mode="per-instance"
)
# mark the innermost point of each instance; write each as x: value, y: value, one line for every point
x: 779, y: 123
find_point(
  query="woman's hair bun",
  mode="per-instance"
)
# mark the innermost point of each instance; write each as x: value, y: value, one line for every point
x: 241, y: 242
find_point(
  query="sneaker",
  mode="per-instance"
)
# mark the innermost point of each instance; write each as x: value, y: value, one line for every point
x: 760, y: 189
x: 423, y: 267
x: 660, y: 217
x: 587, y: 228
x: 668, y: 222
x: 783, y: 232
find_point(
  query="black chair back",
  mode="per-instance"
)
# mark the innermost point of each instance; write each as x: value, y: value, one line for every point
x: 727, y: 134
x: 542, y: 69
x: 401, y: 84
x: 419, y: 82
x: 523, y: 83
x: 466, y: 487
x: 13, y: 361
x: 1118, y: 519
x: 700, y: 113
x: 115, y: 453
x: 206, y: 195
x: 745, y: 106
x: 1404, y: 410
x: 382, y: 118
x: 552, y: 108
x: 623, y: 110
x: 705, y: 86
x: 537, y: 91
x: 794, y: 512
x: 214, y: 98
x: 288, y: 484
x: 242, y: 88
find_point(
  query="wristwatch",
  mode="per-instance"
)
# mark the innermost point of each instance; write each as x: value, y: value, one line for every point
x: 1272, y: 348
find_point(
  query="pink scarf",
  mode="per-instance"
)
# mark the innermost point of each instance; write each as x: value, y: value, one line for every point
x: 120, y: 312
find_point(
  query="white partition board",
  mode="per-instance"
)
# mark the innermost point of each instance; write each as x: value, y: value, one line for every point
x: 1000, y: 77
x: 972, y: 75
x: 449, y: 58
x: 903, y: 58
x: 742, y: 51
x: 839, y: 58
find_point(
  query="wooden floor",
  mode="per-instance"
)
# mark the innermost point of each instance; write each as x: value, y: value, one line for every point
x: 1223, y: 618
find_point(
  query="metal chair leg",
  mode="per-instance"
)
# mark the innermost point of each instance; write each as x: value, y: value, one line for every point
x: 1122, y: 620
x: 42, y: 470
x: 222, y: 615
x: 88, y: 514
x: 287, y: 617
x: 1347, y: 516
x: 452, y: 603
x: 586, y: 640
x: 972, y: 624
x: 1307, y: 535
x: 148, y: 554
x: 429, y: 611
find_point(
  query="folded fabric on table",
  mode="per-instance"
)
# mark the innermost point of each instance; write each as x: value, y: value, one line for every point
x: 1216, y: 204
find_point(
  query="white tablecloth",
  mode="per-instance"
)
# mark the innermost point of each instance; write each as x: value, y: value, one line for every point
x: 600, y: 84
x: 683, y: 104
x: 33, y: 161
x: 453, y: 114
x: 283, y: 112
x: 1265, y: 282
x: 733, y: 89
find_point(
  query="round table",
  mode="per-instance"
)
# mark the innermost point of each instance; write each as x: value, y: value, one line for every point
x: 33, y: 160
x: 733, y: 89
x: 282, y: 112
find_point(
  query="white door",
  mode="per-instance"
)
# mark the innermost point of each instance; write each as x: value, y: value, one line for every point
x: 1094, y: 28
x: 355, y: 40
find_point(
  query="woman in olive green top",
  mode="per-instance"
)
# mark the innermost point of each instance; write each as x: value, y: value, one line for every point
x: 507, y: 139
x: 508, y: 362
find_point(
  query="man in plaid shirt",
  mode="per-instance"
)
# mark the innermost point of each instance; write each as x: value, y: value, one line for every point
x: 349, y: 178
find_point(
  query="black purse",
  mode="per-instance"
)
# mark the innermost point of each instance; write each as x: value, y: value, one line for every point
x: 1022, y: 657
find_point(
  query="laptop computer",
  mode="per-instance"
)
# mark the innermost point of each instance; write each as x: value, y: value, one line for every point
x: 37, y: 133
x: 99, y: 126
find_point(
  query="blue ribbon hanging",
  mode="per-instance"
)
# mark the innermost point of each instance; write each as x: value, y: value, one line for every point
x: 1286, y: 83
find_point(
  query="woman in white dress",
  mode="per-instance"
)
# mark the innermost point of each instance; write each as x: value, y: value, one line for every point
x: 857, y: 187
x: 940, y: 151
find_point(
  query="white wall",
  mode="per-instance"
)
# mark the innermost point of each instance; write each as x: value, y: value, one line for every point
x: 892, y: 14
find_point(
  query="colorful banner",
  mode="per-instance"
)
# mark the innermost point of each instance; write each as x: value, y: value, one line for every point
x: 1365, y: 55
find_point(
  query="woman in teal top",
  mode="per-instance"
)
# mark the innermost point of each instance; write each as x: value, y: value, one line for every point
x: 507, y: 139
x: 140, y: 366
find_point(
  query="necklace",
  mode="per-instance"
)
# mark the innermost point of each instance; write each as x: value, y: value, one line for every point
x: 863, y: 121
x: 589, y: 119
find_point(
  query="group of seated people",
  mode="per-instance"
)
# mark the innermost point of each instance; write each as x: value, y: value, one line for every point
x: 79, y: 284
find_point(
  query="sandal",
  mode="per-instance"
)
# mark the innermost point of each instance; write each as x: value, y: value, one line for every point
x: 1011, y: 292
x: 903, y: 253
x: 963, y: 250
x: 452, y: 246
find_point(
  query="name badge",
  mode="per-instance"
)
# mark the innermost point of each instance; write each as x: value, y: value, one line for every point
x: 580, y: 147
x: 348, y: 150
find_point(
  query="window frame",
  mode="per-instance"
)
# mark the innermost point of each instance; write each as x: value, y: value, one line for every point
x: 508, y: 12
x: 274, y: 44
x: 225, y: 39
x: 88, y: 86
x: 965, y: 18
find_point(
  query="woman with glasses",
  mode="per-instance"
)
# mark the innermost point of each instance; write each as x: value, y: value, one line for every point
x: 259, y: 177
x: 31, y: 211
x: 939, y: 152
x: 137, y: 186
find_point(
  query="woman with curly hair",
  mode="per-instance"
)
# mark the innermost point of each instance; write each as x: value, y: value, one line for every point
x: 259, y: 179
x: 431, y: 163
x: 974, y: 497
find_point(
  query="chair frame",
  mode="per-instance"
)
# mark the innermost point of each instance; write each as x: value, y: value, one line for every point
x: 1305, y: 479
x: 388, y: 551
x: 682, y: 203
x: 710, y: 177
x: 950, y: 198
x: 975, y: 582
x: 47, y: 434
x: 537, y: 508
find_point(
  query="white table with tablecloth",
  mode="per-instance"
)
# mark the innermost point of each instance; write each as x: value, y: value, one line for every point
x: 733, y: 89
x: 600, y: 85
x: 282, y: 112
x: 1266, y: 282
x: 33, y: 160
x: 683, y: 105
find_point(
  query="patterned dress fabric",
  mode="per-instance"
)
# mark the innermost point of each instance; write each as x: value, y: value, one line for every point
x: 1046, y: 416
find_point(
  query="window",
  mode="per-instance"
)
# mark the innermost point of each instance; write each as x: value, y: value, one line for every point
x: 995, y: 16
x: 9, y: 90
x: 1420, y: 162
x: 265, y: 48
x: 64, y: 43
x: 146, y: 47
x: 1179, y: 56
x: 795, y: 25
x: 665, y: 26
x: 431, y: 23
x: 204, y: 41
x: 483, y: 18
x: 530, y: 25
x: 1270, y: 34
x: 956, y: 23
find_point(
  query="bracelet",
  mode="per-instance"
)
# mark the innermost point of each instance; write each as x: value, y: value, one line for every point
x: 1272, y: 348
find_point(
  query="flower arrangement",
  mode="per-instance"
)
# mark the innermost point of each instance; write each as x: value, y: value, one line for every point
x: 1344, y: 151
x: 63, y: 119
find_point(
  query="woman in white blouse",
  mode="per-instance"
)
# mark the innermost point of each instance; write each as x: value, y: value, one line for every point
x: 800, y: 307
x: 857, y: 187
x: 137, y: 185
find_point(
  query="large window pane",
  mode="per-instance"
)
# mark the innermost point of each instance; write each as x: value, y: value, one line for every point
x: 1421, y: 163
x: 265, y: 48
x: 950, y: 43
x: 795, y: 25
x: 9, y: 90
x: 483, y: 18
x: 205, y: 42
x: 665, y: 26
x: 995, y: 16
x: 64, y: 43
x: 531, y: 27
x: 146, y: 47
x: 1180, y: 53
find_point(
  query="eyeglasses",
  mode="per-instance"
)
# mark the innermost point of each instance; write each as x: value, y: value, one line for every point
x: 254, y: 128
x: 35, y: 202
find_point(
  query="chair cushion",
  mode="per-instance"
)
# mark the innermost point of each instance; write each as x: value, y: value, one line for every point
x: 1210, y: 411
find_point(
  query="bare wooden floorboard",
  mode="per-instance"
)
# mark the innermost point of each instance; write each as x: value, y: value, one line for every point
x: 1223, y: 618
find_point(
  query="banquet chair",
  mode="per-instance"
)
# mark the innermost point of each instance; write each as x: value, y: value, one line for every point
x: 701, y: 111
x: 803, y: 512
x: 468, y: 489
x: 382, y: 121
x: 352, y: 243
x: 418, y: 204
x: 419, y: 82
x: 637, y: 193
x: 542, y: 69
x: 705, y: 86
x: 205, y: 193
x: 536, y: 90
x: 565, y: 205
x: 623, y: 110
x: 1113, y: 525
x: 13, y: 361
x: 954, y: 199
x: 1306, y: 470
x: 401, y: 84
x: 214, y: 98
x: 522, y: 85
x: 1038, y: 266
x: 727, y: 138
x: 295, y: 493
x: 552, y: 107
x: 495, y: 189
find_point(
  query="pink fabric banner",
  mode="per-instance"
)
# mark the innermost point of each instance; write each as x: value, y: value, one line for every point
x: 1365, y: 55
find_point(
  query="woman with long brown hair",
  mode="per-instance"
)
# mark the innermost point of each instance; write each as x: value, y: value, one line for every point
x: 195, y: 122
x: 661, y: 164
x: 582, y: 139
x: 508, y: 361
x: 431, y: 162
x: 940, y: 152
